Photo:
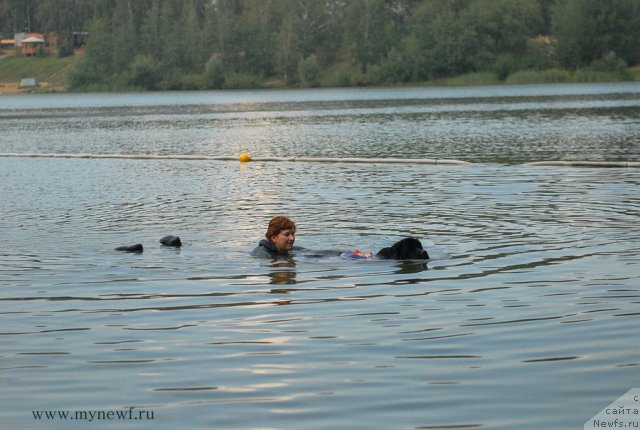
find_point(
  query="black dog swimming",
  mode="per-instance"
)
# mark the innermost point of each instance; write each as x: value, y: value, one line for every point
x: 138, y: 248
x: 171, y: 241
x: 408, y: 248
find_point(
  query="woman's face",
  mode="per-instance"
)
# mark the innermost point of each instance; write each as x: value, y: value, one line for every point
x: 284, y: 240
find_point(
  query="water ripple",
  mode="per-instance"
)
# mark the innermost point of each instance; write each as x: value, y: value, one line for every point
x: 530, y: 266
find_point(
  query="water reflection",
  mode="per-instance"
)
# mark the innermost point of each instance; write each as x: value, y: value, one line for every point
x: 409, y: 266
x: 490, y: 124
x: 283, y: 273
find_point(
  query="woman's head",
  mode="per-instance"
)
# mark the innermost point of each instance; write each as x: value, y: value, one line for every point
x: 282, y: 232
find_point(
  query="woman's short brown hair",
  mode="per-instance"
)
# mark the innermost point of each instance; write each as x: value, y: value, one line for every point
x: 279, y: 223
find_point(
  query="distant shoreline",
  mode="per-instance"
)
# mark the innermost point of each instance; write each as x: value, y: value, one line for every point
x: 45, y: 88
x: 12, y: 88
x: 50, y: 71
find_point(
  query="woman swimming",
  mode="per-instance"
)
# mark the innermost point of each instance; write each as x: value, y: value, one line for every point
x: 279, y: 239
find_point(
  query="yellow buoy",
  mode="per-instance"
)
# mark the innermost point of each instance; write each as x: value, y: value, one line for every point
x: 244, y: 157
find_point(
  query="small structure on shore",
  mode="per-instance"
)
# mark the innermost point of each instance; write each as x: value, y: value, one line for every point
x: 7, y: 44
x: 29, y: 83
x: 32, y: 44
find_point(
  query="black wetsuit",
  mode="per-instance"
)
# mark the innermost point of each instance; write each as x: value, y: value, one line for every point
x: 268, y: 249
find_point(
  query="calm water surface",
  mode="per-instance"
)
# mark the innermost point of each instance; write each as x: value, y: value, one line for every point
x: 508, y: 124
x: 526, y: 317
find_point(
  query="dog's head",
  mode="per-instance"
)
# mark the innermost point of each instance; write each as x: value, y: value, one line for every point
x: 406, y: 249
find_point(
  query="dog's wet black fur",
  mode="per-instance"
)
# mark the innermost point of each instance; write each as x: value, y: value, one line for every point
x: 137, y: 248
x: 171, y: 241
x: 406, y: 249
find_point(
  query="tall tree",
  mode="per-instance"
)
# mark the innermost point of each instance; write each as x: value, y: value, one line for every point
x: 253, y: 47
x: 151, y: 31
x: 311, y: 18
x: 442, y: 37
x: 330, y: 46
x: 124, y: 35
x: 222, y: 26
x: 500, y: 27
x: 96, y: 67
x: 368, y: 30
x: 287, y: 52
x: 18, y: 16
x: 193, y: 44
x: 589, y: 29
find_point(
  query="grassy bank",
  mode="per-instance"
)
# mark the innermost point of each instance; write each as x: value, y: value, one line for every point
x: 50, y: 69
x: 53, y: 70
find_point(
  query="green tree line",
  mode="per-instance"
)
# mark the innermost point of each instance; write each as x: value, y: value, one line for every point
x: 197, y: 44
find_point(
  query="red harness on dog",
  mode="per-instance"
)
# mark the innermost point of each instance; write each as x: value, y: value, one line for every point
x: 359, y: 255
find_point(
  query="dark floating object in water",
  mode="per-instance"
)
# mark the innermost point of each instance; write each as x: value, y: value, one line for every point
x: 408, y: 248
x: 171, y: 241
x: 133, y: 248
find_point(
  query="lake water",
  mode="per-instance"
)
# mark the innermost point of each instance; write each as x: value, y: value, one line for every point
x: 526, y: 317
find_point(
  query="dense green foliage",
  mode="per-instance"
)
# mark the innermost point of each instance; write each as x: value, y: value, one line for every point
x: 184, y: 44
